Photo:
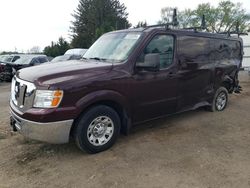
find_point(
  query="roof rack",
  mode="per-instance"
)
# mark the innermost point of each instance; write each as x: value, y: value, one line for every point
x: 233, y: 32
x: 166, y: 25
x: 202, y: 27
x: 236, y: 32
x: 176, y: 23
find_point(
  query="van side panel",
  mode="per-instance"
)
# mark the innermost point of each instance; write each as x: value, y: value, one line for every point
x: 228, y: 60
x: 196, y: 67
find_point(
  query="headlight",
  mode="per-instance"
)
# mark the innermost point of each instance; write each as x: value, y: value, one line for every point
x: 47, y: 98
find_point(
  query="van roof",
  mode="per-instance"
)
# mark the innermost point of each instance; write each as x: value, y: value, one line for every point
x: 183, y: 32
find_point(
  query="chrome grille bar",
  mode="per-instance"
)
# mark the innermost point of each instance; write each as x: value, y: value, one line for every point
x: 22, y: 94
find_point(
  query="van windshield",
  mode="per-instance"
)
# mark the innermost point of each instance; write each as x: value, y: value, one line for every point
x: 114, y: 47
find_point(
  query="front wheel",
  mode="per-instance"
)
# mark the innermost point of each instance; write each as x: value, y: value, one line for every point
x: 220, y: 100
x: 97, y: 129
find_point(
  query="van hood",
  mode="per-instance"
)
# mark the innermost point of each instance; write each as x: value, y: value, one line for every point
x: 58, y: 73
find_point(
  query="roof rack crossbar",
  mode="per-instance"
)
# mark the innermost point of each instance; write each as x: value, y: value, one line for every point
x: 201, y: 27
x: 233, y: 32
x: 237, y: 31
x: 166, y: 25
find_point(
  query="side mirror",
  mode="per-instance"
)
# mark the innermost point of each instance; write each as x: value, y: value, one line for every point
x: 151, y: 62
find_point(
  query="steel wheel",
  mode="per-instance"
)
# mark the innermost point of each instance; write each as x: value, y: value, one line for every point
x: 97, y: 129
x: 221, y: 101
x: 100, y: 130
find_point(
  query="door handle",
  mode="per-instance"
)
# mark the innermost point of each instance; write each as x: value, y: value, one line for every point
x: 171, y: 75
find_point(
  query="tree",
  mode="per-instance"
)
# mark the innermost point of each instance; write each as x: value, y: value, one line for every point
x: 166, y: 15
x: 223, y: 18
x: 58, y: 48
x: 8, y: 52
x: 92, y: 18
x: 141, y: 24
x: 35, y: 50
x: 187, y: 18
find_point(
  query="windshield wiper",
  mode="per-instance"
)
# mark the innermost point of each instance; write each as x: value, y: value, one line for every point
x: 98, y: 58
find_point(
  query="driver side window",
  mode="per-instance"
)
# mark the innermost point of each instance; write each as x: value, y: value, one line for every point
x: 164, y: 46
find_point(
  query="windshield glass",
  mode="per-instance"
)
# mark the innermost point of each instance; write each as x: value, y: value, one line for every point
x: 7, y: 59
x: 23, y: 60
x: 1, y: 58
x: 76, y: 51
x: 61, y: 58
x: 113, y: 46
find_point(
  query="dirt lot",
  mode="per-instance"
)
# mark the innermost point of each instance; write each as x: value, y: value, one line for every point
x: 193, y: 149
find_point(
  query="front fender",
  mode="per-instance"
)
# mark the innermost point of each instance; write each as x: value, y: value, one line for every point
x: 100, y: 96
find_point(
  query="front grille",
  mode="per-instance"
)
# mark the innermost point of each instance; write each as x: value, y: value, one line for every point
x: 22, y: 94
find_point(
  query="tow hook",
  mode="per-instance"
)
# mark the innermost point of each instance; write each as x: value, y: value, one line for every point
x: 12, y: 124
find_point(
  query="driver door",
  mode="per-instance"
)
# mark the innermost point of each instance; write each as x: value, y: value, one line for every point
x: 155, y: 92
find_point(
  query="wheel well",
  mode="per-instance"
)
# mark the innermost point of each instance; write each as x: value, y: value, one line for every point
x: 229, y: 86
x: 226, y: 85
x: 230, y: 81
x: 125, y: 120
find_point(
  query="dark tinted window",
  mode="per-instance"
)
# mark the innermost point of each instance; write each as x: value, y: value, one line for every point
x: 162, y: 44
x: 226, y: 49
x: 194, y: 48
x: 35, y: 61
x: 42, y: 59
x: 236, y: 49
x: 15, y: 58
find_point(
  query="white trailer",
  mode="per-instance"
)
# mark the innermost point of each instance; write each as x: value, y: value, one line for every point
x: 246, y: 58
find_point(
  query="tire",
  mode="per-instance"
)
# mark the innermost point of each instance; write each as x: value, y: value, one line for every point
x: 97, y: 129
x: 220, y: 100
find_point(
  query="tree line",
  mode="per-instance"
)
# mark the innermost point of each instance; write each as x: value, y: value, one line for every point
x: 226, y: 17
x: 92, y: 18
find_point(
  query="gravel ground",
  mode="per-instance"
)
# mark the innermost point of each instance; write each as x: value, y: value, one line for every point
x: 193, y: 149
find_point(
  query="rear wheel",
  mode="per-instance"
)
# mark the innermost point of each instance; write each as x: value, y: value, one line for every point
x: 97, y: 129
x: 220, y: 100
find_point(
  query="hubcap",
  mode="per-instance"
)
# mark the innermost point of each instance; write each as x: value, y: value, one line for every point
x: 100, y: 130
x: 221, y: 101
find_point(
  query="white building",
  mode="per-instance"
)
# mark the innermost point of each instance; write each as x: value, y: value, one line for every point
x: 246, y: 44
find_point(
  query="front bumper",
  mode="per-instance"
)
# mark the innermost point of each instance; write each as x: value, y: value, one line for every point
x: 52, y: 132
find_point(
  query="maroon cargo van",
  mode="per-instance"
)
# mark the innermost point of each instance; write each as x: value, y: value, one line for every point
x: 127, y: 77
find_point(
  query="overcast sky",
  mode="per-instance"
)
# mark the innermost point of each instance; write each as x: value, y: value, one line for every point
x: 28, y: 23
